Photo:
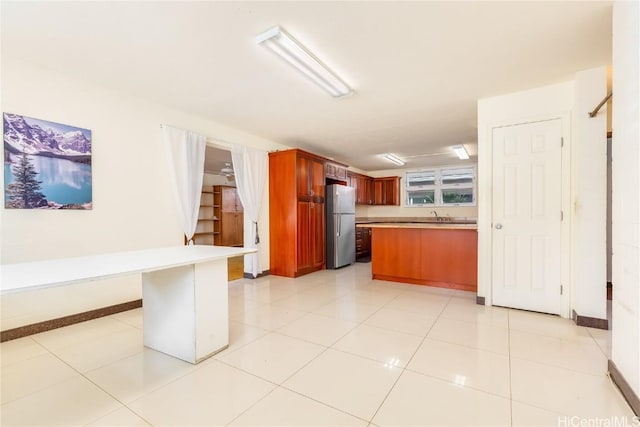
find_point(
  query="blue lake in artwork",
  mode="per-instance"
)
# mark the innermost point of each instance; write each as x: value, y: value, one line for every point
x: 63, y: 181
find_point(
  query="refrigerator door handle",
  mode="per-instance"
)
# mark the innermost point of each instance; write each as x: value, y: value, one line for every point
x: 339, y: 225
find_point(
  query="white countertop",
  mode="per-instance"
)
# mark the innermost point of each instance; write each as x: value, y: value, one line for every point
x: 56, y: 272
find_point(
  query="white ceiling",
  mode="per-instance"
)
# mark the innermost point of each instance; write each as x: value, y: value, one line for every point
x: 417, y: 67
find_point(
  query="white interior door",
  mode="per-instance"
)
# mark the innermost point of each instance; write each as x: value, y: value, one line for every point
x: 527, y: 216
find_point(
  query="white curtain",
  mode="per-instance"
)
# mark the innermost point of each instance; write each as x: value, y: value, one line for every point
x: 250, y: 169
x: 185, y: 155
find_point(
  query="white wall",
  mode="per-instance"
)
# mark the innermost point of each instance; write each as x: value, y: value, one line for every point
x: 589, y: 195
x: 625, y: 351
x: 133, y: 205
x: 470, y: 212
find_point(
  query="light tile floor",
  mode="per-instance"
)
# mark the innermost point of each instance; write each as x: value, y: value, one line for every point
x: 332, y: 348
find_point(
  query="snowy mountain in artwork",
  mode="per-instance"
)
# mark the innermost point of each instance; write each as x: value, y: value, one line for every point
x: 38, y: 137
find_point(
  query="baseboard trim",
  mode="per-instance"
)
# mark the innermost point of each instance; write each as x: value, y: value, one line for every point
x: 479, y: 300
x: 250, y: 276
x: 47, y: 325
x: 590, y: 322
x: 626, y: 390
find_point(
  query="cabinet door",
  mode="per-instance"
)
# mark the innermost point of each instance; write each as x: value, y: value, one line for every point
x: 366, y: 241
x: 352, y: 181
x: 303, y: 179
x: 368, y: 190
x: 304, y: 236
x: 386, y: 191
x: 228, y: 199
x: 391, y: 191
x: 318, y: 234
x: 228, y: 229
x: 361, y: 196
x: 317, y: 179
x: 378, y: 192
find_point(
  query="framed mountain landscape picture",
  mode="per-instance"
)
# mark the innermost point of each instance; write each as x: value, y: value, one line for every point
x: 47, y: 165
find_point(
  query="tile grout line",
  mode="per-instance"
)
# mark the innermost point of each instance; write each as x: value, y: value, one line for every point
x: 81, y: 374
x: 404, y: 368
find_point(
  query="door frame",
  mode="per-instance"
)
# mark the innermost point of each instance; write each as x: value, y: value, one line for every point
x: 485, y: 208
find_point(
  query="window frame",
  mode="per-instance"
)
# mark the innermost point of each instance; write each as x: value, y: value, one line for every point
x: 438, y: 187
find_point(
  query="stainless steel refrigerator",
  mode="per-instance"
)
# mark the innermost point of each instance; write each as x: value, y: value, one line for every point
x: 341, y: 226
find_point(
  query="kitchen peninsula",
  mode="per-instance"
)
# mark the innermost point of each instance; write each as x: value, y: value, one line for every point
x: 437, y: 254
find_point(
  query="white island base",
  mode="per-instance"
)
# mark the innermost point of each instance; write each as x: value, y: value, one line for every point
x: 184, y: 292
x: 186, y: 311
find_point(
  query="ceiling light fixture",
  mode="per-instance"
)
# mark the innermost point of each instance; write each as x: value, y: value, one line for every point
x: 281, y: 43
x: 461, y: 152
x: 394, y: 159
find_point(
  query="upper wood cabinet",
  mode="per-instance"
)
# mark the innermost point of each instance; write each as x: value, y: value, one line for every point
x: 363, y: 186
x: 296, y: 210
x: 365, y: 190
x: 334, y: 171
x: 375, y: 191
x: 387, y: 191
x: 310, y: 178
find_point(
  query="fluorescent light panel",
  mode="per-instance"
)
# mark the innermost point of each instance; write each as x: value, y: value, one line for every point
x: 394, y: 159
x: 461, y: 152
x: 281, y: 43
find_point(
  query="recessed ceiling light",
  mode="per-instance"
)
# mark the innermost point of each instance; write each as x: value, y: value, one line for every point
x: 281, y: 43
x: 460, y: 151
x: 394, y: 159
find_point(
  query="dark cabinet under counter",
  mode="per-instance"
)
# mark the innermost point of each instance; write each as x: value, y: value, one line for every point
x: 363, y: 242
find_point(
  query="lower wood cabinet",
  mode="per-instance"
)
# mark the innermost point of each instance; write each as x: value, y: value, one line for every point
x: 311, y: 249
x: 426, y: 256
x: 363, y: 242
x: 231, y: 229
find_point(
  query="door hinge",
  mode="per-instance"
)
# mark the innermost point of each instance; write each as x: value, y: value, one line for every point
x: 561, y: 215
x: 561, y: 142
x: 561, y: 290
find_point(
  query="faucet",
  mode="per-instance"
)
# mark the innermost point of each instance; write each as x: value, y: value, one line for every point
x: 436, y: 214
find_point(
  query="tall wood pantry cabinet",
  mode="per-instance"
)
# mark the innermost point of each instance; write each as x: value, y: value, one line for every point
x: 296, y: 212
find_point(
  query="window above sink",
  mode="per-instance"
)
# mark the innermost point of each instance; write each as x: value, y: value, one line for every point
x: 445, y: 186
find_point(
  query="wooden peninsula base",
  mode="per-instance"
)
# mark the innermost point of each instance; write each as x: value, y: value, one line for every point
x: 426, y: 254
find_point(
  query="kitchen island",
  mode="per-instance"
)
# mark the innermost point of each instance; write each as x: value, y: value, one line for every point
x: 432, y: 254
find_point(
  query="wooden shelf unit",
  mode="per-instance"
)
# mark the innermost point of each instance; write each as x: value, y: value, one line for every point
x: 220, y: 218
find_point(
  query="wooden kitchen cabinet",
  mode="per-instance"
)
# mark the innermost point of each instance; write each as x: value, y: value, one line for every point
x: 363, y: 242
x: 352, y: 181
x: 363, y: 186
x: 310, y: 177
x: 229, y: 216
x: 436, y: 256
x: 386, y: 191
x: 296, y: 210
x: 335, y: 172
